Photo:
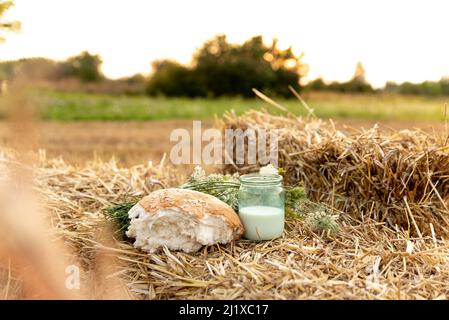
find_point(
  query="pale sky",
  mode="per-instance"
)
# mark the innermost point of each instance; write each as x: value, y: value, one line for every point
x: 395, y: 40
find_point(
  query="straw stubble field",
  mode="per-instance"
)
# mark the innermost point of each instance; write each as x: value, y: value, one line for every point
x: 387, y: 187
x: 136, y: 142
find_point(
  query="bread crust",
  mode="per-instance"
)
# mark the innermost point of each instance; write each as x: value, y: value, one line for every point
x: 194, y: 203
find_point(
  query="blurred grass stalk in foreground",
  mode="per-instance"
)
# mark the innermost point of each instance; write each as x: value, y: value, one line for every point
x: 31, y: 266
x: 34, y: 264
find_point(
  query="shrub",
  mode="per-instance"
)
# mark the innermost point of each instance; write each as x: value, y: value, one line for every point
x: 357, y: 84
x: 220, y: 68
x: 85, y: 67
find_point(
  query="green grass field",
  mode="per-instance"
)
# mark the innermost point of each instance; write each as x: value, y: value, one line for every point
x: 84, y: 106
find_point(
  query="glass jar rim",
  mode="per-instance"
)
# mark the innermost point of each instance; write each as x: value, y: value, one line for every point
x: 256, y: 179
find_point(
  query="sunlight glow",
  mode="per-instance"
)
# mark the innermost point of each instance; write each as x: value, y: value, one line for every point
x: 395, y: 40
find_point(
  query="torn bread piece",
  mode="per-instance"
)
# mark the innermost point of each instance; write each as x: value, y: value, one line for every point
x: 182, y: 220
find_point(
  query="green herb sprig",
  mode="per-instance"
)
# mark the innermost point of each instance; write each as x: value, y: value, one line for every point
x: 224, y: 187
x: 117, y: 214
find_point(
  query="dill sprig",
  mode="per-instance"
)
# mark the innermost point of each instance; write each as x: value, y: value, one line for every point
x: 323, y: 220
x: 224, y: 187
x: 295, y: 201
x: 117, y: 214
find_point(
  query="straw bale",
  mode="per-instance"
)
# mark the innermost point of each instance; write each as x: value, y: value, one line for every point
x: 398, y: 177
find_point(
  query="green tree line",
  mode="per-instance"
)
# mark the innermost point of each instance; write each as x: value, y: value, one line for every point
x: 357, y: 84
x: 85, y: 67
x: 218, y: 68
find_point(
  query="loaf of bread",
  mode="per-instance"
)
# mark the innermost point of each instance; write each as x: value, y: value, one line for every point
x: 182, y: 220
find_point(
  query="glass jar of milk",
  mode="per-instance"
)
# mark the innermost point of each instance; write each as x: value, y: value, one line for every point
x: 261, y: 206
